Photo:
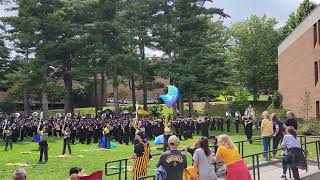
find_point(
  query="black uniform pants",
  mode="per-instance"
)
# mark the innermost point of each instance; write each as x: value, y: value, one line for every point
x: 8, y: 142
x: 237, y: 126
x: 66, y: 142
x: 228, y: 126
x: 43, y: 151
x: 275, y: 142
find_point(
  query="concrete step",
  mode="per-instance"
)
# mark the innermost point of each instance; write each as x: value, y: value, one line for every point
x: 273, y: 171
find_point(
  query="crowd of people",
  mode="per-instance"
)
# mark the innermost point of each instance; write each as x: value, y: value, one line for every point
x: 173, y: 162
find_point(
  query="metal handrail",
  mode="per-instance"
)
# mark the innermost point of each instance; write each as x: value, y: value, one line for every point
x: 255, y: 156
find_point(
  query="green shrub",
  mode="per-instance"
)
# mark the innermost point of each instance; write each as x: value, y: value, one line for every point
x: 8, y: 106
x: 156, y: 110
x: 277, y: 100
x: 241, y: 101
x: 311, y: 128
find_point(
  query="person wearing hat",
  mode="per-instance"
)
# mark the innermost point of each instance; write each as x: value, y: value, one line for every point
x: 173, y: 160
x: 140, y: 156
x: 166, y: 136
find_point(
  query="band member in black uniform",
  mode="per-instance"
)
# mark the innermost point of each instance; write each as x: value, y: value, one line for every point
x: 66, y: 141
x: 8, y: 133
x: 248, y: 128
x: 220, y: 119
x: 96, y: 132
x: 73, y: 134
x: 126, y: 133
x: 237, y: 121
x: 43, y: 145
x: 82, y: 134
x: 204, y: 128
x: 89, y: 133
x: 228, y: 120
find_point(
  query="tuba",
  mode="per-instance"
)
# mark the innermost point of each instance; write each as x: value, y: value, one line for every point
x: 16, y: 115
x: 68, y: 115
x: 58, y: 115
x: 35, y: 114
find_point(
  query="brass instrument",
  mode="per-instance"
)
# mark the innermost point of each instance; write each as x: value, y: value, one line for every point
x: 35, y: 114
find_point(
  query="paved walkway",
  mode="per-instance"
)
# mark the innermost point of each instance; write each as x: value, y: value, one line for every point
x: 274, y: 171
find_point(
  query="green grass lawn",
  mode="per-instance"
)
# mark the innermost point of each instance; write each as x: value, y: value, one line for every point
x: 93, y: 158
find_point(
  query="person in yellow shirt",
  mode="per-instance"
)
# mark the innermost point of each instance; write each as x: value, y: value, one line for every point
x: 229, y: 154
x: 266, y: 133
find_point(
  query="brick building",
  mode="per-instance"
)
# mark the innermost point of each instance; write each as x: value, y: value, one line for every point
x: 299, y: 66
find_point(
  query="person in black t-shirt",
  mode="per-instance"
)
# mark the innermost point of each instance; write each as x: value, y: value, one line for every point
x: 173, y: 161
x: 291, y: 120
x: 277, y: 132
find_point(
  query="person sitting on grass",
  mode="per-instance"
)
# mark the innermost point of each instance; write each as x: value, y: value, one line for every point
x: 19, y: 174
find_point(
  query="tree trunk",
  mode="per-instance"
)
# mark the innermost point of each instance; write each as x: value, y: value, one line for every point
x: 178, y: 107
x: 182, y: 106
x: 115, y: 93
x: 26, y: 105
x: 145, y: 95
x: 133, y: 93
x: 190, y: 106
x: 95, y: 95
x: 44, y: 98
x: 68, y: 96
x: 207, y: 102
x: 67, y: 78
x: 103, y: 96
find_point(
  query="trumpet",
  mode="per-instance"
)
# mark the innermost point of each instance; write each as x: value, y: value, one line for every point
x: 35, y: 114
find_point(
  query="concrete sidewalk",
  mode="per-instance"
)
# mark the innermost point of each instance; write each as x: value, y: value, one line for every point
x: 273, y: 171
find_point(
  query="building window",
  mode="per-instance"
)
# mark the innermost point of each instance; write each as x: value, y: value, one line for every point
x: 318, y: 31
x: 317, y: 109
x: 316, y: 72
x: 315, y: 38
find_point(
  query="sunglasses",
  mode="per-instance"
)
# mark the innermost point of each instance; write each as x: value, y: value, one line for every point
x: 172, y: 144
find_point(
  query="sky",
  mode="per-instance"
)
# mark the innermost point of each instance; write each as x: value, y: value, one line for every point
x: 241, y: 10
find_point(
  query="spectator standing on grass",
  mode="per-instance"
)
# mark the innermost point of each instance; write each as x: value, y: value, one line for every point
x: 266, y: 133
x: 173, y: 161
x: 229, y: 154
x: 295, y: 157
x: 277, y: 133
x: 8, y: 133
x: 43, y: 145
x: 203, y: 161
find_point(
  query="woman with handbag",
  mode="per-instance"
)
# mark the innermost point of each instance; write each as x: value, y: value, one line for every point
x: 295, y: 157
